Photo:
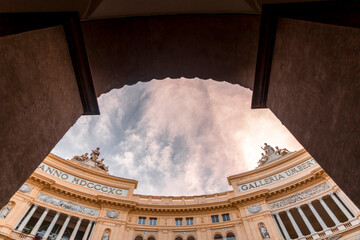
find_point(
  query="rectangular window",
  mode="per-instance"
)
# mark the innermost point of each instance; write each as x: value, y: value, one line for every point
x: 225, y: 217
x: 142, y: 220
x: 215, y: 219
x: 152, y: 221
x: 178, y: 221
x: 189, y: 221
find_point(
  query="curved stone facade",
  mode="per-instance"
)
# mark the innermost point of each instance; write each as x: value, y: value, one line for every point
x: 288, y: 198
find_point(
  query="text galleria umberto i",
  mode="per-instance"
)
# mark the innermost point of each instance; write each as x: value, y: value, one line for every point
x: 288, y: 196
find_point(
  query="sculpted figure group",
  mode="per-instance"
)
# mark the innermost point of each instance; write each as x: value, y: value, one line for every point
x: 94, y: 155
x: 271, y: 153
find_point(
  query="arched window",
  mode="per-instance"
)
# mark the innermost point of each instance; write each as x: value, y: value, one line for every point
x: 190, y: 238
x: 178, y: 238
x: 230, y: 236
x: 218, y: 236
x: 151, y: 238
x: 139, y: 238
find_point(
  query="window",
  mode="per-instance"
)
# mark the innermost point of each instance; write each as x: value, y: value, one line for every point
x: 215, y: 219
x: 142, y: 220
x: 218, y: 237
x: 190, y: 238
x: 178, y: 221
x: 152, y: 221
x: 189, y: 221
x: 230, y: 236
x: 226, y: 217
x: 151, y: 238
x: 139, y: 238
x: 178, y: 238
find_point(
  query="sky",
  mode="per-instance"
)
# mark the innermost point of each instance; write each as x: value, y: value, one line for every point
x: 177, y: 137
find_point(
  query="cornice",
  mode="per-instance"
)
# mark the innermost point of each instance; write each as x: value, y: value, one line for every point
x: 60, y: 190
x: 266, y: 193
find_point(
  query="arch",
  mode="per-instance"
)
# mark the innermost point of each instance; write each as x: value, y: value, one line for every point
x: 263, y: 230
x: 218, y: 236
x: 178, y: 238
x: 151, y: 238
x: 191, y: 238
x: 139, y: 238
x: 230, y: 236
x: 106, y: 233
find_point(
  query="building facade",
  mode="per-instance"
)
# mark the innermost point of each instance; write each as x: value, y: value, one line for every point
x: 287, y: 197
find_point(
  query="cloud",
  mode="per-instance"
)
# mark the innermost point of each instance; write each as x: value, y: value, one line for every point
x: 177, y: 136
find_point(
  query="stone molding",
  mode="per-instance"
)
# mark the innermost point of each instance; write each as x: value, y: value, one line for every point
x: 299, y: 196
x: 67, y: 205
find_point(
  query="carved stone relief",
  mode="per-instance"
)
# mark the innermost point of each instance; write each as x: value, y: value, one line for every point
x: 112, y: 214
x: 67, y: 205
x: 299, y: 196
x: 25, y: 188
x: 255, y: 209
x: 5, y: 211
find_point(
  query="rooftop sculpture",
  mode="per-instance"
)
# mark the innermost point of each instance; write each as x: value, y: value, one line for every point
x: 271, y: 154
x: 93, y: 160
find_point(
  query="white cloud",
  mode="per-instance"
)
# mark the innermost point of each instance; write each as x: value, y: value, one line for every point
x: 177, y: 137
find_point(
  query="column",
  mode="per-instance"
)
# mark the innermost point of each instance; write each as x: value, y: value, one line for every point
x: 22, y: 216
x: 317, y: 216
x: 343, y: 209
x: 328, y: 210
x: 292, y: 220
x: 282, y: 226
x: 92, y: 230
x: 339, y: 195
x: 278, y: 227
x: 73, y: 234
x: 306, y: 220
x: 26, y: 220
x: 39, y: 222
x: 51, y: 226
x: 87, y: 231
x: 63, y: 228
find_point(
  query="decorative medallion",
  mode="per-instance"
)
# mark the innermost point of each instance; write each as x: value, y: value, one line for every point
x: 67, y: 205
x: 299, y: 196
x: 255, y: 209
x: 25, y: 188
x: 112, y: 214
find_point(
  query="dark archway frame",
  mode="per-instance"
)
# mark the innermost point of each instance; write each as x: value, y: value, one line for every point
x: 205, y: 58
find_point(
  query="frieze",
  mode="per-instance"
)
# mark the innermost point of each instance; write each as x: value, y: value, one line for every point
x: 112, y: 214
x: 25, y: 188
x: 146, y: 233
x: 67, y: 205
x: 254, y: 209
x: 222, y: 229
x: 184, y: 233
x: 299, y: 196
x: 277, y: 177
x: 82, y: 182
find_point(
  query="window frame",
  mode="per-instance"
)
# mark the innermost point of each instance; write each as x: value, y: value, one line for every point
x: 189, y: 220
x: 213, y: 217
x: 142, y: 220
x: 226, y: 217
x: 179, y: 220
x: 153, y: 220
